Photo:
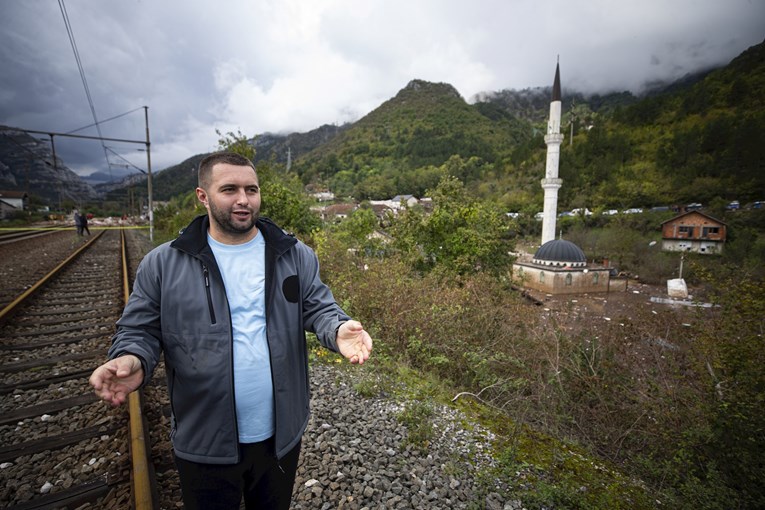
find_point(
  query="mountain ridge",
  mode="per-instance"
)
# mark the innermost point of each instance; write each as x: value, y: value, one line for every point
x: 408, y: 140
x: 27, y: 164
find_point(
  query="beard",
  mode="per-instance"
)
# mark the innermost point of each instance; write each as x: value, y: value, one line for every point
x: 227, y: 222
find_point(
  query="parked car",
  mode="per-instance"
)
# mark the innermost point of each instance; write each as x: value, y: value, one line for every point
x: 539, y: 215
x: 733, y: 205
x: 633, y: 210
x: 693, y: 207
x: 611, y: 212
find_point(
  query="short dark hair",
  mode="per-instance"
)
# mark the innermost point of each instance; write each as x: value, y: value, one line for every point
x: 209, y: 161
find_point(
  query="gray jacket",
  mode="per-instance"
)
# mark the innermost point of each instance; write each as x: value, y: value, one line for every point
x: 178, y: 306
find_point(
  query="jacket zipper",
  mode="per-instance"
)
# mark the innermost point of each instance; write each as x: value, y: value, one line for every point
x: 270, y: 262
x: 231, y: 350
x: 174, y: 417
x: 207, y: 291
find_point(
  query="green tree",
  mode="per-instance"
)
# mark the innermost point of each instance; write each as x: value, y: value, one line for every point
x: 287, y: 205
x: 461, y: 235
x: 236, y: 142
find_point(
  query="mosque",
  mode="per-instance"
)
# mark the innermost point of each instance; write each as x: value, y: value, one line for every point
x: 559, y: 266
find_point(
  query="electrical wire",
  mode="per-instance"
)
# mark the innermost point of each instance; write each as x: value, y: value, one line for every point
x: 73, y: 43
x: 125, y: 160
x: 33, y: 153
x: 104, y: 121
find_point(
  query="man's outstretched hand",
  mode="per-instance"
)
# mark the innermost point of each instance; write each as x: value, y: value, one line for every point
x: 354, y: 342
x: 117, y: 378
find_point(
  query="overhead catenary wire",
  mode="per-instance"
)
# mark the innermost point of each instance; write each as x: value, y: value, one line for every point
x: 30, y: 151
x: 105, y: 120
x: 130, y: 164
x: 81, y: 70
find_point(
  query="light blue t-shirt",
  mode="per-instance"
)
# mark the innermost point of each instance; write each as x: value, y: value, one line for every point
x: 243, y: 267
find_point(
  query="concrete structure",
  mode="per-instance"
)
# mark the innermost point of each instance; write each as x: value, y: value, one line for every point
x: 551, y: 183
x: 693, y: 231
x: 560, y: 267
x: 551, y: 280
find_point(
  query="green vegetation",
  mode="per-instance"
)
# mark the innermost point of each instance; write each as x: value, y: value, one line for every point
x: 583, y: 409
x: 678, y: 406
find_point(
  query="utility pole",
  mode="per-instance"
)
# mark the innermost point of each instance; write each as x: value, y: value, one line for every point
x: 146, y: 142
x: 682, y: 258
x: 55, y: 169
x: 148, y: 173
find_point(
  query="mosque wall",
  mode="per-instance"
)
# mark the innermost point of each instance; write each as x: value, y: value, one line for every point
x: 562, y: 281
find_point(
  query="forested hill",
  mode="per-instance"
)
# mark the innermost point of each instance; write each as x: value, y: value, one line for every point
x: 701, y: 143
x: 421, y: 127
x: 699, y: 139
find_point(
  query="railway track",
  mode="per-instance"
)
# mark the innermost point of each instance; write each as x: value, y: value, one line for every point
x: 25, y: 260
x: 61, y: 446
x: 12, y: 236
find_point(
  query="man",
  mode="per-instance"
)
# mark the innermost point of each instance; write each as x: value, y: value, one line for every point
x: 77, y: 221
x: 84, y: 224
x: 228, y: 302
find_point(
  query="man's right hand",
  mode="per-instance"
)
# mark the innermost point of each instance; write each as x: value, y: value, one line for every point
x: 117, y: 378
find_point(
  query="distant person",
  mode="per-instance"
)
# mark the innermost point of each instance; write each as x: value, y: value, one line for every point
x: 78, y: 219
x: 84, y: 224
x: 228, y: 302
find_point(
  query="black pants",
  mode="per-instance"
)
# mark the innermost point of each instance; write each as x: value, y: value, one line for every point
x: 264, y: 482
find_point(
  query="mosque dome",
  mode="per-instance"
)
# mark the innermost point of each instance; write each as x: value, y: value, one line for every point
x: 560, y: 253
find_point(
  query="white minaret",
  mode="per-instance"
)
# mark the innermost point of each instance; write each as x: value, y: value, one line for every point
x: 551, y: 184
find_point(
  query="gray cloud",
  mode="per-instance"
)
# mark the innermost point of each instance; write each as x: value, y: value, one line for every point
x: 292, y: 65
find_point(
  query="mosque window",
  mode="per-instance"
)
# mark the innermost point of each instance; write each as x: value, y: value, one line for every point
x: 569, y: 279
x: 595, y: 278
x: 541, y: 277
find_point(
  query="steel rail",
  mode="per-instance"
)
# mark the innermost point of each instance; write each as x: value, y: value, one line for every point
x: 23, y: 235
x: 11, y: 307
x: 143, y: 482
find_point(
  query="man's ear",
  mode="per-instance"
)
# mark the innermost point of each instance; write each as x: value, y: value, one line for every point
x: 202, y: 196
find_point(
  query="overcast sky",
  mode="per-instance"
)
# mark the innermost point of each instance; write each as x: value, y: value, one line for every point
x: 292, y: 65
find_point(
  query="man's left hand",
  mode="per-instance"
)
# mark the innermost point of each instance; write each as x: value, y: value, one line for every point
x: 354, y: 342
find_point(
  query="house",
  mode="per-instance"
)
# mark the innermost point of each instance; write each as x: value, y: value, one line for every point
x: 18, y: 199
x: 382, y: 210
x: 337, y: 212
x: 11, y: 202
x: 404, y: 200
x: 693, y: 231
x: 6, y: 209
x: 323, y: 196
